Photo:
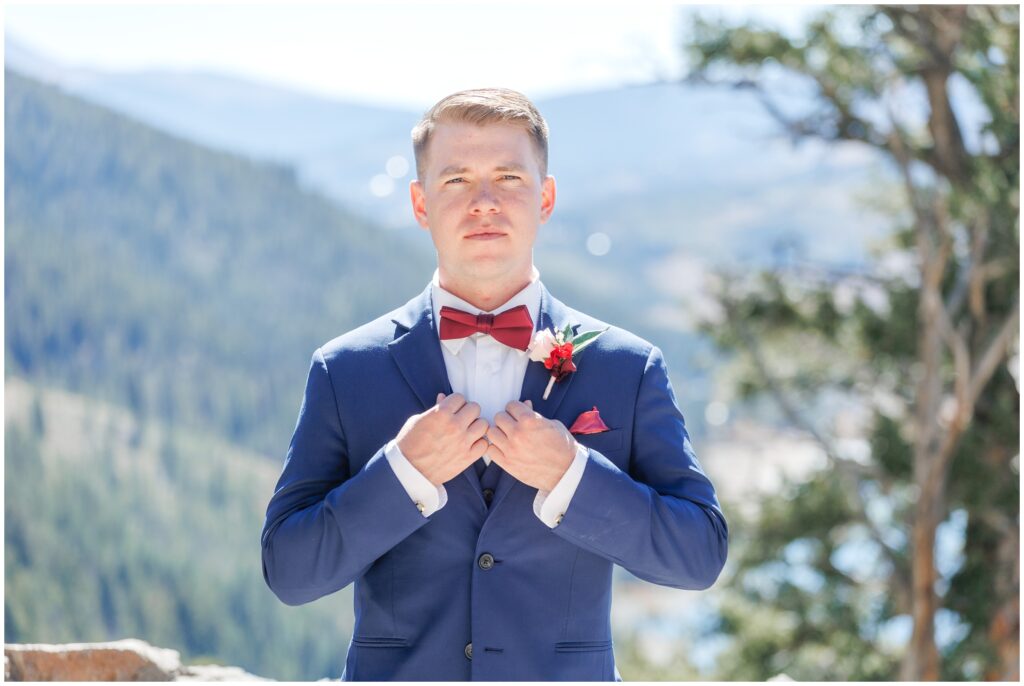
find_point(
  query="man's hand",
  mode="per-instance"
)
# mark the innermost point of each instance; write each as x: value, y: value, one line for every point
x: 532, y: 448
x: 445, y: 439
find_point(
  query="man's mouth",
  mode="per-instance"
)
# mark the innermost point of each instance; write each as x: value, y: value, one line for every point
x: 485, y: 235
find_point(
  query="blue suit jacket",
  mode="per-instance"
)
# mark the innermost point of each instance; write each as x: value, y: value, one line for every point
x: 542, y: 611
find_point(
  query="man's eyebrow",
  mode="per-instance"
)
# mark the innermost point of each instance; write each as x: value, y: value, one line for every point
x: 507, y: 167
x: 452, y: 169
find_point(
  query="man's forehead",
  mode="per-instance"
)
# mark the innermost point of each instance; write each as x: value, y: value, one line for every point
x: 455, y: 149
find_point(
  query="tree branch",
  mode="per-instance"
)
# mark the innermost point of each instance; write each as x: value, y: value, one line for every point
x: 972, y: 278
x: 850, y: 472
x: 994, y: 354
x: 855, y: 128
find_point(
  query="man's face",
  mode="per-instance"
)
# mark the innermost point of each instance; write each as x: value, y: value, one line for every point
x: 482, y: 199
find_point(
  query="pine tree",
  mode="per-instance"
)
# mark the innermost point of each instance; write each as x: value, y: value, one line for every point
x: 929, y: 351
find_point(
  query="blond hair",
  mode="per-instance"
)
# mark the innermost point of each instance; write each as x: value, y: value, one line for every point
x: 483, y: 106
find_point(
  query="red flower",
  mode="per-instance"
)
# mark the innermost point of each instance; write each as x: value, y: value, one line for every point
x: 560, y: 361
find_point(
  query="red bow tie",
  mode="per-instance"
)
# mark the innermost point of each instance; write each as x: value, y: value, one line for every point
x: 513, y: 327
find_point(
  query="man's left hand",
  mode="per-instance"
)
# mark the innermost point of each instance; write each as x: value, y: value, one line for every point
x: 532, y: 448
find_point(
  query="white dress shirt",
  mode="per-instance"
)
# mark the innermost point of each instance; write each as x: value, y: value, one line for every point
x: 490, y: 374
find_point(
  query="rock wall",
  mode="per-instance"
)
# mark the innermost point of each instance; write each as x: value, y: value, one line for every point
x: 126, y: 660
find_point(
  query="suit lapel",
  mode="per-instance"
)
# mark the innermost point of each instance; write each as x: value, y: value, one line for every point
x: 553, y: 315
x: 416, y: 350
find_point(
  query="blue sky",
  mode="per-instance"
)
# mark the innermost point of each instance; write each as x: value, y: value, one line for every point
x: 386, y: 52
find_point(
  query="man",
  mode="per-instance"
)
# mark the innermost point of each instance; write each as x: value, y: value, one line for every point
x: 432, y: 465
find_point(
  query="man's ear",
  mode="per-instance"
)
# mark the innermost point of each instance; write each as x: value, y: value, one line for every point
x: 547, y: 198
x: 419, y: 202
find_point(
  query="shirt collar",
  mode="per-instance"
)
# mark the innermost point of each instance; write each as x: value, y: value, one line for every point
x: 529, y: 296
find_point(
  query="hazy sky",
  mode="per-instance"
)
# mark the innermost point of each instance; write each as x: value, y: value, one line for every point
x: 385, y: 52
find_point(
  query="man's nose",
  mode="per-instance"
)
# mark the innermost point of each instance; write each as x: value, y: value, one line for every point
x: 484, y: 199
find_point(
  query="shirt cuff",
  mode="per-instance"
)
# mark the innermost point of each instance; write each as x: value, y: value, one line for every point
x: 428, y: 498
x: 549, y: 506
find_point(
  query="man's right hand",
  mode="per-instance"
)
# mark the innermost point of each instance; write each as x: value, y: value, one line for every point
x: 445, y: 439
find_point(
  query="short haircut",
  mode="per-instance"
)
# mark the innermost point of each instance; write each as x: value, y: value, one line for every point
x: 482, y: 106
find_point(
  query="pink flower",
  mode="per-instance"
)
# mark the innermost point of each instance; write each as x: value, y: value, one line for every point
x: 542, y: 344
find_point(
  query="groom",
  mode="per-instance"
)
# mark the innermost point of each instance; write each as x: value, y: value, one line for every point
x: 428, y: 467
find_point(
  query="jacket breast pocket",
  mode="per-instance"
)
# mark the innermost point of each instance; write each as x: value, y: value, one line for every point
x: 604, y: 442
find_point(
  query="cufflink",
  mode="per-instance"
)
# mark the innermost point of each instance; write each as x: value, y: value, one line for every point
x: 420, y: 507
x: 559, y: 519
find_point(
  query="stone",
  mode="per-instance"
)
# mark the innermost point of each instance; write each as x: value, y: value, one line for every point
x: 126, y: 660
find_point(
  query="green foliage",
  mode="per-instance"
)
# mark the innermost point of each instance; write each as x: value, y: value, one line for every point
x: 825, y: 568
x: 584, y: 339
x: 95, y: 551
x: 794, y: 611
x: 162, y: 277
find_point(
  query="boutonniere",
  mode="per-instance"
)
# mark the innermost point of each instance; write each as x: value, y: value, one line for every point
x: 555, y: 350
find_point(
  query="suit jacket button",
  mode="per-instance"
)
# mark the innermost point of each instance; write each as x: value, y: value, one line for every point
x: 486, y: 561
x: 488, y: 494
x: 469, y: 651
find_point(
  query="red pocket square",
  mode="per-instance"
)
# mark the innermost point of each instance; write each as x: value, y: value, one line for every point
x: 589, y: 422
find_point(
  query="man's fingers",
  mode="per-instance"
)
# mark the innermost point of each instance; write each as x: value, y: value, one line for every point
x: 504, y: 421
x: 497, y: 436
x: 495, y: 453
x: 518, y: 410
x: 453, y: 403
x: 440, y: 397
x: 467, y: 413
x: 478, y: 428
x: 478, y: 449
x: 530, y: 403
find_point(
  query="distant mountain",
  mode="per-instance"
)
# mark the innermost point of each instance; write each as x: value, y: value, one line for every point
x: 187, y: 284
x: 655, y: 183
x: 701, y: 171
x: 335, y: 146
x: 162, y: 303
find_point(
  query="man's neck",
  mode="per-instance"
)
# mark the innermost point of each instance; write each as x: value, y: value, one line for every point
x: 485, y: 295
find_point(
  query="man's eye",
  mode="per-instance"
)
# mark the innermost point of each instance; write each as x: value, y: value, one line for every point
x: 510, y: 176
x: 457, y: 178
